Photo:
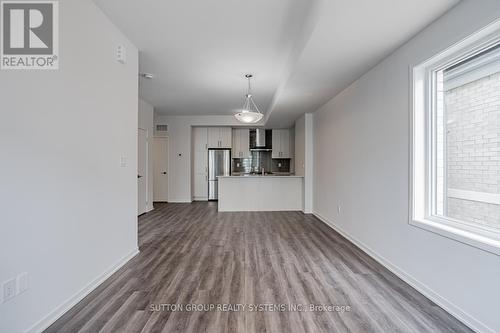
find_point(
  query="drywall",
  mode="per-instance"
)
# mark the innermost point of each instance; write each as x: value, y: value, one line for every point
x: 361, y: 153
x: 304, y: 150
x: 309, y: 158
x: 68, y: 207
x: 179, y: 163
x: 300, y: 142
x: 146, y: 120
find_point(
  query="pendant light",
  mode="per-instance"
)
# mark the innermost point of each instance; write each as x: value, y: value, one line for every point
x: 250, y: 113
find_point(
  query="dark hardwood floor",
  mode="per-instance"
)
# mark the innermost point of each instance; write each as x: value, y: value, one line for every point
x: 191, y: 254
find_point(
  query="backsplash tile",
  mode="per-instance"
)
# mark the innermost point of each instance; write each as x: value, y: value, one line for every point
x: 259, y: 160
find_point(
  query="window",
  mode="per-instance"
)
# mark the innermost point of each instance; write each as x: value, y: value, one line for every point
x: 456, y: 142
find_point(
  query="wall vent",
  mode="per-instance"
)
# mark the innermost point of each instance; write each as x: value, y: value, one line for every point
x: 162, y: 128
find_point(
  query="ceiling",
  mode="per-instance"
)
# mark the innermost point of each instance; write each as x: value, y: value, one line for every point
x: 301, y: 52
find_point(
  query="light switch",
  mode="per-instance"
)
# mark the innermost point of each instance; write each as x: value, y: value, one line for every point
x: 121, y: 54
x: 9, y: 290
x: 22, y: 283
x: 123, y: 162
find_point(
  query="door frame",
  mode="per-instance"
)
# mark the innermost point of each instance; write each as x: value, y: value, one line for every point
x: 168, y: 166
x: 146, y: 176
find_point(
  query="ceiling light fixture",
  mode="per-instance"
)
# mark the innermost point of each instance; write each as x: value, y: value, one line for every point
x: 250, y: 112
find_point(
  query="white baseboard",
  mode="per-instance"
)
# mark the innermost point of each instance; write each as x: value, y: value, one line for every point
x: 180, y: 201
x: 451, y: 308
x: 72, y: 301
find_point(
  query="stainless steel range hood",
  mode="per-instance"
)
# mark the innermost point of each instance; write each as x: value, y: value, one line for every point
x: 260, y: 140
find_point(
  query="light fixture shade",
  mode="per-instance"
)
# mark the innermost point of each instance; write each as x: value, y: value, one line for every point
x: 248, y: 117
x: 250, y: 113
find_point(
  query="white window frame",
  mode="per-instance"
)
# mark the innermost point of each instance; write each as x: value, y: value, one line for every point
x: 422, y: 144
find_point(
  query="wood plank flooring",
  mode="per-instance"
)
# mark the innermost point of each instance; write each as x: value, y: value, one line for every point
x: 191, y: 254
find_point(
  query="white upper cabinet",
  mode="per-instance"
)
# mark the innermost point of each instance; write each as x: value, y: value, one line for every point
x: 245, y: 143
x: 213, y: 137
x: 219, y: 137
x: 281, y: 143
x: 241, y: 143
x: 226, y: 137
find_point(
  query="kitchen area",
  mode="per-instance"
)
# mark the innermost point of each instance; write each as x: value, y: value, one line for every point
x: 246, y: 169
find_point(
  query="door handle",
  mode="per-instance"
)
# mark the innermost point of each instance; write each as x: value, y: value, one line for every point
x: 164, y: 173
x: 139, y: 176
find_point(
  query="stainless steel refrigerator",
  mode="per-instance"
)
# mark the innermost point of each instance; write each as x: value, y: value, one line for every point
x: 219, y: 164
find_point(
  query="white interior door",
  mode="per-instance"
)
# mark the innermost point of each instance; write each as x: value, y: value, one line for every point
x: 142, y: 167
x: 160, y: 170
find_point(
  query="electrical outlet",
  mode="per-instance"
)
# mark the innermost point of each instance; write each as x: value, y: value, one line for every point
x: 9, y: 290
x: 22, y: 283
x: 123, y: 162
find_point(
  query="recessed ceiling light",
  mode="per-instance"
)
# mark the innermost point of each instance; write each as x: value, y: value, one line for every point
x: 146, y: 75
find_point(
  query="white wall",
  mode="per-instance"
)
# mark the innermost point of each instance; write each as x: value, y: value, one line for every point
x: 179, y: 135
x: 68, y: 208
x: 300, y: 142
x: 304, y: 150
x: 361, y: 152
x: 146, y: 120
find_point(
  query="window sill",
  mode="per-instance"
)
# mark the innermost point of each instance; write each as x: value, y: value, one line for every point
x: 452, y: 230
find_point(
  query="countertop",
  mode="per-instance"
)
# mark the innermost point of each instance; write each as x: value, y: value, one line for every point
x: 274, y: 175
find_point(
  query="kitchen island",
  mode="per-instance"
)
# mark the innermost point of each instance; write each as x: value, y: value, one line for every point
x: 260, y: 193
